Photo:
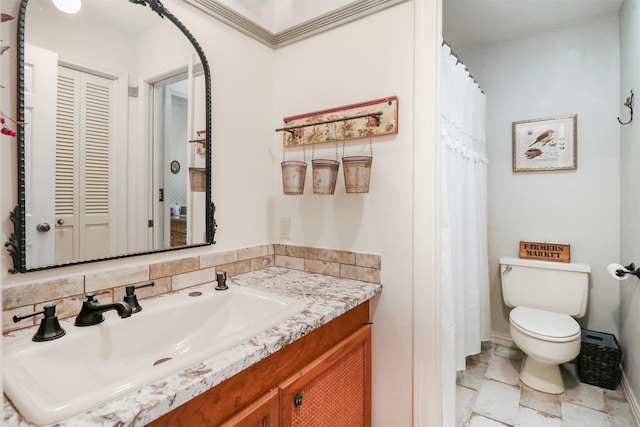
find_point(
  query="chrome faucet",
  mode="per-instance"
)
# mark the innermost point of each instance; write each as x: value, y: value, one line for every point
x: 91, y: 312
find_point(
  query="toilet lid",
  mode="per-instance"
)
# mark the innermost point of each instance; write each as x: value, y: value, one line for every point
x: 545, y: 324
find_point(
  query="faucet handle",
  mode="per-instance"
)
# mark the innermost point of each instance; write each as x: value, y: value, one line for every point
x: 131, y: 298
x: 50, y: 328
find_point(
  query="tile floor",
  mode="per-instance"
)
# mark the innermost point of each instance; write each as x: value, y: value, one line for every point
x: 489, y: 394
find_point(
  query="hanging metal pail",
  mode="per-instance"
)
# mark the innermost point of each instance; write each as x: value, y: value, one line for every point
x: 325, y: 175
x: 357, y: 173
x: 197, y: 179
x: 293, y: 174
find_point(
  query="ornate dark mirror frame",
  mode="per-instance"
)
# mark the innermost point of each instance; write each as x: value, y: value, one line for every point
x: 16, y: 245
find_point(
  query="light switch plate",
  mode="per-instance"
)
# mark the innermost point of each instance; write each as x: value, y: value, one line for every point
x: 285, y: 227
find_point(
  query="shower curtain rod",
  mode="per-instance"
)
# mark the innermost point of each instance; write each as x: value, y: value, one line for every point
x: 452, y: 53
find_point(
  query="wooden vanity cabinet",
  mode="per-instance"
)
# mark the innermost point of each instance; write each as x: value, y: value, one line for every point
x: 264, y: 412
x: 333, y: 390
x: 311, y: 364
x: 178, y: 232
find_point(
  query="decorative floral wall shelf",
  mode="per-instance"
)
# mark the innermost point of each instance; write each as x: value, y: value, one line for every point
x: 362, y: 120
x: 200, y: 141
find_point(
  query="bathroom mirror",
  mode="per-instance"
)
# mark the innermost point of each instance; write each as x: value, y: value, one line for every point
x: 117, y: 110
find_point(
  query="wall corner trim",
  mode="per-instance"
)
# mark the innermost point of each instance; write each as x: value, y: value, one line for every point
x: 631, y: 398
x: 502, y: 339
x: 340, y: 16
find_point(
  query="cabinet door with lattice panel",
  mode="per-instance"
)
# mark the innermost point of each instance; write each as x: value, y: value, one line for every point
x: 261, y: 413
x: 333, y: 390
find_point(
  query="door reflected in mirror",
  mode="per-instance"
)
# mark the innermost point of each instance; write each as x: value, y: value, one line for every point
x: 112, y: 96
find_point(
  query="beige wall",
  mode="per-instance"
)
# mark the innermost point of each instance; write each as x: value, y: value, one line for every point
x: 367, y: 59
x: 630, y: 200
x: 578, y: 75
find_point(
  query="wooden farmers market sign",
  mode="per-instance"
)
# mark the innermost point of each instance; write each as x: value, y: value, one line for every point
x: 558, y: 252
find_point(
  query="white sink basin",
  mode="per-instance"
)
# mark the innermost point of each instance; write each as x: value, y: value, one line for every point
x: 50, y: 381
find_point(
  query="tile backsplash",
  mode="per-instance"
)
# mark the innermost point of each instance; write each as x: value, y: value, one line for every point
x: 168, y: 276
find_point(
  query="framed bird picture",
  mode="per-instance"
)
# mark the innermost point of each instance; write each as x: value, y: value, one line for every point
x: 545, y: 144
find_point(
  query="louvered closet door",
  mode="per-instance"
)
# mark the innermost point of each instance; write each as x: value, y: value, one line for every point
x: 67, y: 157
x: 83, y: 134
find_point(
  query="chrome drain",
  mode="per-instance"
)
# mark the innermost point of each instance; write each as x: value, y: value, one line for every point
x: 195, y: 294
x: 159, y: 361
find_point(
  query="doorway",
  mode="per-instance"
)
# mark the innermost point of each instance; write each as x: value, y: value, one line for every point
x: 170, y: 150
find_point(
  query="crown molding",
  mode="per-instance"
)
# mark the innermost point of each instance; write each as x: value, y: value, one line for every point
x: 351, y: 12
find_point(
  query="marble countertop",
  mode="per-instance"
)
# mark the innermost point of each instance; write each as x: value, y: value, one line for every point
x: 326, y: 297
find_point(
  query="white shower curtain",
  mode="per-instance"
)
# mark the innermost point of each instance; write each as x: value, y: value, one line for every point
x: 465, y: 275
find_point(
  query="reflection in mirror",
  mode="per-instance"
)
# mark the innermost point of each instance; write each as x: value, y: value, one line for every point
x: 112, y: 96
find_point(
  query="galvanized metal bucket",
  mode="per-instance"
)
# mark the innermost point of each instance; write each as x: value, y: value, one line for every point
x: 357, y: 173
x: 325, y: 175
x: 197, y: 179
x: 293, y: 175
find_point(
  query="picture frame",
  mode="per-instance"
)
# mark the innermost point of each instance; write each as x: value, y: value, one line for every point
x: 175, y: 167
x: 545, y: 144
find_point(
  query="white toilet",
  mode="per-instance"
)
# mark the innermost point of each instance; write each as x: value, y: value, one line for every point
x: 546, y: 297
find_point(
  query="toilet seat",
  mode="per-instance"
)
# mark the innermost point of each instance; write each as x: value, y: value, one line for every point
x: 545, y: 325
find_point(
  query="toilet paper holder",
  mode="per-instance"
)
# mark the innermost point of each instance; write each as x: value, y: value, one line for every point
x: 629, y: 269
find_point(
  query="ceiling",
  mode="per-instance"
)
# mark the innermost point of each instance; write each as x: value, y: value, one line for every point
x: 279, y: 15
x: 471, y: 23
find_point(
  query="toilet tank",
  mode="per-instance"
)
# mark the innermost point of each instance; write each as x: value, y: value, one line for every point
x: 554, y: 286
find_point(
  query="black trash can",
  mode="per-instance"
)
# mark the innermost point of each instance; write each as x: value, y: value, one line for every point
x: 599, y: 359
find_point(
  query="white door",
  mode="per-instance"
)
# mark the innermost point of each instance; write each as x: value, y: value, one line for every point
x: 83, y: 137
x: 160, y: 205
x: 175, y: 150
x: 40, y: 106
x: 169, y: 143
